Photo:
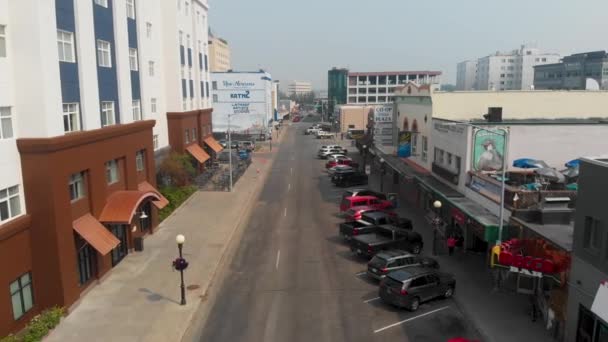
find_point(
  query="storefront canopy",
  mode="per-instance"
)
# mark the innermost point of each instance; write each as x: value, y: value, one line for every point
x: 93, y: 232
x: 484, y: 217
x: 198, y: 153
x: 122, y: 205
x: 215, y: 146
x: 147, y: 187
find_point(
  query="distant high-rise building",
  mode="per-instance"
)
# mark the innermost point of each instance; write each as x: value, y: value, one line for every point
x: 336, y: 87
x: 573, y: 72
x: 466, y: 73
x: 299, y: 88
x: 512, y: 70
x: 219, y: 54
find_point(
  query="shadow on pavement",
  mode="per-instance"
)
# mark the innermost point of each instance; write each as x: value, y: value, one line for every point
x: 155, y: 297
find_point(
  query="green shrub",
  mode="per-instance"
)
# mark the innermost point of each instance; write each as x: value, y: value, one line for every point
x: 9, y: 338
x: 39, y: 326
x: 176, y: 196
x: 177, y: 169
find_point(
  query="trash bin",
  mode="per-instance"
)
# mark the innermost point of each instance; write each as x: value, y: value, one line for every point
x: 138, y: 243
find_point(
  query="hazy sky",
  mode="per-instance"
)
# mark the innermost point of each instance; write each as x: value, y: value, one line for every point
x: 303, y: 39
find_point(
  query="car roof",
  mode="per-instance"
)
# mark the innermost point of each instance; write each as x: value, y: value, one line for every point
x: 392, y: 253
x: 362, y: 207
x: 360, y: 197
x: 410, y: 272
x: 375, y: 213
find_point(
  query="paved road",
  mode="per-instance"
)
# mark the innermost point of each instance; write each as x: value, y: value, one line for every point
x: 292, y: 278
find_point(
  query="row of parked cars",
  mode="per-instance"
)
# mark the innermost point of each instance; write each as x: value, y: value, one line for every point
x: 342, y: 169
x: 319, y: 131
x: 374, y: 231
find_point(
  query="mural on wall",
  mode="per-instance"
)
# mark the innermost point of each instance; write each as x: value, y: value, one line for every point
x: 488, y: 150
x: 404, y: 149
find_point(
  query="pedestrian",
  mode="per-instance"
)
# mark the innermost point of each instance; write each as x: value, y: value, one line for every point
x: 451, y: 244
x: 534, y: 309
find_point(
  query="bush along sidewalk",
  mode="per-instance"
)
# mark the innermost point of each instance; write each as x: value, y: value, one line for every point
x: 175, y: 176
x: 38, y: 327
x: 176, y: 196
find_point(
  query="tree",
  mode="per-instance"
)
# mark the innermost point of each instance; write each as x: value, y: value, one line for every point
x: 177, y: 170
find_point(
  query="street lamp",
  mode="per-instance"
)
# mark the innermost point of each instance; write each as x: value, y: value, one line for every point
x: 504, y: 133
x: 181, y: 264
x: 364, y: 156
x: 436, y: 224
x: 382, y: 174
x: 230, y: 150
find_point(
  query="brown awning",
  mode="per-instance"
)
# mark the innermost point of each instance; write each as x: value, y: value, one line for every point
x: 198, y: 153
x: 122, y: 205
x: 147, y: 187
x: 95, y: 234
x: 211, y: 142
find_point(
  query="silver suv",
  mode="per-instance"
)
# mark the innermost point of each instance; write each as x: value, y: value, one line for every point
x: 387, y: 261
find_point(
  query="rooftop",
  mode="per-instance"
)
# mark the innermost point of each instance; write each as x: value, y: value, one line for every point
x: 559, y: 234
x: 394, y: 73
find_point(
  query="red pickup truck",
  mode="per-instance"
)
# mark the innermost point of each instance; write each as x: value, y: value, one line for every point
x: 340, y: 161
x: 370, y: 201
x: 355, y: 213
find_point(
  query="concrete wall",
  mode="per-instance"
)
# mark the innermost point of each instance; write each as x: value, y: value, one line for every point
x: 353, y: 115
x: 457, y: 141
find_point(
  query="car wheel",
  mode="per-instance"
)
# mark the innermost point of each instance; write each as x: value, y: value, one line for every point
x: 449, y: 292
x: 416, y: 249
x: 414, y: 305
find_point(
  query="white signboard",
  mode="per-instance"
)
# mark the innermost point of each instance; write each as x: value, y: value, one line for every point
x: 383, y: 125
x: 600, y: 302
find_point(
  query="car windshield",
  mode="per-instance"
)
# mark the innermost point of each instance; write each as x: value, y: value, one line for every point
x: 378, y: 261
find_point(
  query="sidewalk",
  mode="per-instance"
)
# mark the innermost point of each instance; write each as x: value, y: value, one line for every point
x: 500, y: 316
x: 139, y: 300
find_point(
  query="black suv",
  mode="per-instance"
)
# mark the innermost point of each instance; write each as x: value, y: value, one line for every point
x: 349, y: 178
x: 407, y: 288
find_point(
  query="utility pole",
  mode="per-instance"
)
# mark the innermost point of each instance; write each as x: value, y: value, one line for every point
x: 230, y: 149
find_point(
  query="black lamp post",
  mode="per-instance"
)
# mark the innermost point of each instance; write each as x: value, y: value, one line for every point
x: 436, y: 224
x: 181, y: 264
x: 364, y: 156
x: 382, y: 170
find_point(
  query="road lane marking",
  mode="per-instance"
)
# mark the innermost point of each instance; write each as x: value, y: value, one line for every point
x: 371, y: 300
x: 276, y: 265
x: 360, y: 273
x: 285, y: 212
x: 288, y: 186
x: 291, y: 170
x: 410, y: 319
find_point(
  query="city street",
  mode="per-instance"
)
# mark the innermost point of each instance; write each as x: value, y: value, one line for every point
x: 293, y: 279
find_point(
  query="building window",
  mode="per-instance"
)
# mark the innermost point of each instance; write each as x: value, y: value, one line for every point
x: 186, y: 7
x: 131, y: 9
x: 2, y: 41
x: 214, y: 85
x: 449, y: 161
x: 76, y: 186
x: 153, y: 105
x: 107, y: 113
x: 137, y: 110
x: 155, y: 141
x: 71, y: 117
x: 10, y: 203
x: 151, y: 68
x: 22, y: 295
x: 87, y: 260
x: 194, y: 134
x: 112, y: 171
x: 181, y: 37
x: 139, y: 160
x: 133, y: 59
x: 65, y: 46
x: 187, y: 136
x: 103, y: 3
x: 149, y: 30
x: 424, y: 148
x: 6, y: 123
x: 214, y: 97
x: 593, y: 234
x: 414, y: 143
x: 104, y: 53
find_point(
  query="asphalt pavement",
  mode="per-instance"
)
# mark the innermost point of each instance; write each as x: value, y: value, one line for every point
x: 293, y: 279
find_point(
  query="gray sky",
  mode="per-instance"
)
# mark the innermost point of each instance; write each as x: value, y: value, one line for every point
x: 303, y: 39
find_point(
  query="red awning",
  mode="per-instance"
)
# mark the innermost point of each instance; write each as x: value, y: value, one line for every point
x: 147, y: 187
x: 211, y: 142
x: 122, y: 205
x: 95, y: 234
x: 198, y: 153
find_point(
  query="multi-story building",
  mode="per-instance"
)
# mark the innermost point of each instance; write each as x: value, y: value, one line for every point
x: 299, y: 88
x: 511, y: 70
x: 336, y: 87
x: 587, y: 318
x: 88, y: 92
x: 378, y: 87
x: 466, y: 73
x: 573, y: 72
x: 219, y: 54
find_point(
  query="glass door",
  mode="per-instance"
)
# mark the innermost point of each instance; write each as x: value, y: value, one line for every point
x: 121, y: 250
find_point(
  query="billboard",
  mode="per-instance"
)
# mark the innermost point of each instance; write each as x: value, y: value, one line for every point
x: 383, y: 125
x: 488, y: 150
x: 242, y: 101
x: 404, y: 146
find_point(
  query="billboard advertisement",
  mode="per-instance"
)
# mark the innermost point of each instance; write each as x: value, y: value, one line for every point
x: 383, y: 125
x: 488, y: 150
x: 242, y: 101
x: 404, y: 146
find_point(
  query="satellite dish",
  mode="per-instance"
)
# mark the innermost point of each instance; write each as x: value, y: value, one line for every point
x: 591, y: 84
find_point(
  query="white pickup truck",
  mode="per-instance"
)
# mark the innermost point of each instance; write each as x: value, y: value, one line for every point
x: 324, y: 135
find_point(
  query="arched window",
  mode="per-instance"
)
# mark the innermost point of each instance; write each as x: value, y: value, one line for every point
x: 415, y: 126
x: 406, y: 125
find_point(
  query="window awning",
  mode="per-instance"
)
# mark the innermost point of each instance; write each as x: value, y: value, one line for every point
x: 211, y: 142
x: 95, y: 234
x: 198, y: 153
x: 122, y: 205
x: 147, y: 187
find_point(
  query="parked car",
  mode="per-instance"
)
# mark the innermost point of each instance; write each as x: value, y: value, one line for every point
x: 325, y: 153
x: 386, y: 237
x: 324, y: 135
x: 339, y: 148
x: 363, y: 192
x: 311, y: 130
x: 223, y: 157
x: 223, y: 143
x: 409, y: 287
x: 248, y: 145
x: 355, y: 213
x: 362, y: 226
x: 296, y: 119
x: 371, y: 201
x: 341, y: 161
x: 349, y: 178
x: 394, y: 259
x: 339, y: 167
x: 244, y: 155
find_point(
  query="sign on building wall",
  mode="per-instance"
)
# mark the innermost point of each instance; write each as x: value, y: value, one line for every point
x: 488, y: 150
x: 383, y: 125
x: 404, y: 148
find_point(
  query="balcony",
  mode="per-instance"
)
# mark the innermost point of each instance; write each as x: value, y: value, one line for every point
x: 516, y: 196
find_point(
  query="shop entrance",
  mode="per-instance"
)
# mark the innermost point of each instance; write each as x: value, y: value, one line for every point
x: 120, y: 251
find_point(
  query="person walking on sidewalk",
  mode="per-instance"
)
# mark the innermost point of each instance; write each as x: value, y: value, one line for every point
x: 451, y: 244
